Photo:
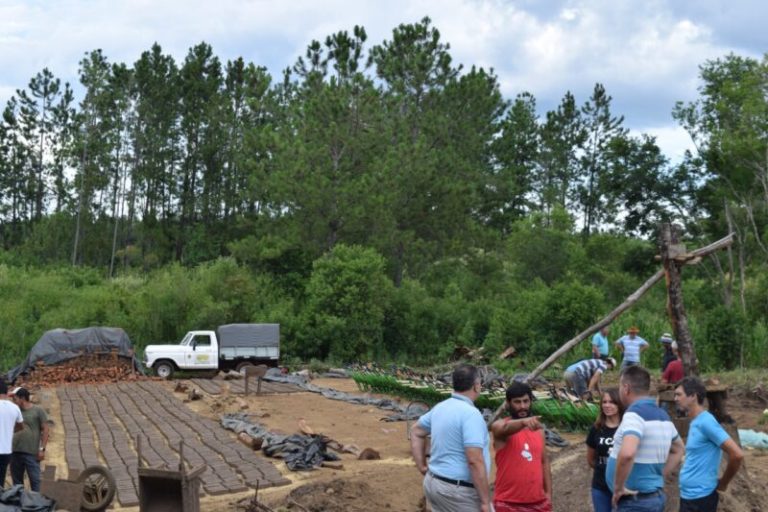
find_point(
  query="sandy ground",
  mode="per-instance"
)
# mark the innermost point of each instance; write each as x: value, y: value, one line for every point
x: 392, y: 483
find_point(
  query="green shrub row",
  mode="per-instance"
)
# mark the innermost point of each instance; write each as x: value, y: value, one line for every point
x: 562, y: 414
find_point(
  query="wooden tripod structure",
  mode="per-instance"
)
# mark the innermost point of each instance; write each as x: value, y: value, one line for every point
x: 673, y: 257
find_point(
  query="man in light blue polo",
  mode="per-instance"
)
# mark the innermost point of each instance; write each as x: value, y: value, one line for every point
x: 631, y: 346
x: 707, y: 440
x: 600, y: 347
x: 646, y: 448
x: 456, y: 479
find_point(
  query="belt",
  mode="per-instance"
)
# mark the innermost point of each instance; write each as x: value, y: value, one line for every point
x: 642, y: 495
x: 452, y: 481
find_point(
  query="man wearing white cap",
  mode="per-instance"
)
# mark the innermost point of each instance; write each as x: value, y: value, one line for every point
x: 29, y: 443
x: 10, y: 421
x: 669, y: 356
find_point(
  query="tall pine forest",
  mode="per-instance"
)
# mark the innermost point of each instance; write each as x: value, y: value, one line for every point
x: 380, y: 202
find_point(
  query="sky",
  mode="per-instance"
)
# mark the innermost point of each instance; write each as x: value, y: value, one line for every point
x: 646, y: 53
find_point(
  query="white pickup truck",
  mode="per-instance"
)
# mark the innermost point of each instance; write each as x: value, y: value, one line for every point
x: 229, y: 347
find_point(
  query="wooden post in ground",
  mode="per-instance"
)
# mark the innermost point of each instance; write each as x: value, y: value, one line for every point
x: 673, y: 257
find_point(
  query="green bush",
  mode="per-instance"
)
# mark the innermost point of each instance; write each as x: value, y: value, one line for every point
x: 347, y: 296
x: 726, y: 335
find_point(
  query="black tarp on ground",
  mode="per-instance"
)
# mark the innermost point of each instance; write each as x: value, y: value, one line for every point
x: 60, y: 345
x: 301, y: 452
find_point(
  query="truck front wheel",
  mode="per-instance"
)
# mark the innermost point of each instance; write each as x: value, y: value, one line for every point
x: 164, y: 369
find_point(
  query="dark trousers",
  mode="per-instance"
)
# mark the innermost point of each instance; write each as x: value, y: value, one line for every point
x: 5, y: 459
x: 705, y: 504
x: 21, y: 462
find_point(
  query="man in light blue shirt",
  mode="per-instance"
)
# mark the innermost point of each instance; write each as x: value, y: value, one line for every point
x: 600, y: 347
x: 699, y: 484
x: 631, y: 346
x: 456, y: 479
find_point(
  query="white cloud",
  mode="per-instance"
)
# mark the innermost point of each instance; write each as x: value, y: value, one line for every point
x: 672, y: 140
x: 646, y: 53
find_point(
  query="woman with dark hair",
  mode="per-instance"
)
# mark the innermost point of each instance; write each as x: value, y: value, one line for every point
x: 599, y: 443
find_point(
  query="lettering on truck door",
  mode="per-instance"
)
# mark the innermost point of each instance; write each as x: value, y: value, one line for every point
x: 203, y: 354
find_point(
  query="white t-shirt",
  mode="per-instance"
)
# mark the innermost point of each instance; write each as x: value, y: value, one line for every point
x: 10, y: 415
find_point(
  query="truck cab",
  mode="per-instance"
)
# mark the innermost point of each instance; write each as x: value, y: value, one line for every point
x: 200, y: 350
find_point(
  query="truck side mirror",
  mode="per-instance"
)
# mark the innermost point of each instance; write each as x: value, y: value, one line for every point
x: 194, y: 345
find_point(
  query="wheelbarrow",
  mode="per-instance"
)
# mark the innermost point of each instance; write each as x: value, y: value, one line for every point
x: 90, y: 490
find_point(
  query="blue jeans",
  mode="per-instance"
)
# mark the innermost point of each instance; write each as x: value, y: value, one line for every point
x: 626, y: 364
x: 601, y: 500
x: 21, y: 462
x: 649, y: 504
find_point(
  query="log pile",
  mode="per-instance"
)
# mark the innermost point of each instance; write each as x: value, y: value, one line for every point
x: 84, y: 369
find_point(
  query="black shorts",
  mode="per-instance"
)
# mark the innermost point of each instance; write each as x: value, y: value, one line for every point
x: 705, y: 504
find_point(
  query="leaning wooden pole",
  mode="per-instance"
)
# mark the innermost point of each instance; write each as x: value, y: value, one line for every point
x: 607, y: 320
x: 692, y: 257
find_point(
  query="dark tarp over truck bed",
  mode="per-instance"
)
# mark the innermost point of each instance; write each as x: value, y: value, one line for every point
x: 60, y: 345
x: 249, y: 341
x: 248, y: 335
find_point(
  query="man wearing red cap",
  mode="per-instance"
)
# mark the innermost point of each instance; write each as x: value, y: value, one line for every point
x: 631, y: 346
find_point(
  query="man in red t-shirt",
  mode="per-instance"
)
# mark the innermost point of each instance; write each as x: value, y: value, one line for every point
x: 523, y: 476
x: 674, y: 372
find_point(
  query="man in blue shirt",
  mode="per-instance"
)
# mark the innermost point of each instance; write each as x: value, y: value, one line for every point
x: 631, y: 345
x: 600, y: 347
x: 646, y: 448
x: 456, y: 479
x: 699, y: 484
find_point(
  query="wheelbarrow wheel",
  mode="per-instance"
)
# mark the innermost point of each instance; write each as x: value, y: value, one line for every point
x: 99, y: 488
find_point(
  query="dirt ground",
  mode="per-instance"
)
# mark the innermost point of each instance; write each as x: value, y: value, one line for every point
x: 392, y: 483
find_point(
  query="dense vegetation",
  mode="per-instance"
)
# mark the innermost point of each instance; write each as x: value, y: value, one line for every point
x: 380, y: 202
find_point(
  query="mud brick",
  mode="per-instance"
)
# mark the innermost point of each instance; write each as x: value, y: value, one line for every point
x: 251, y: 477
x: 237, y: 488
x: 216, y: 490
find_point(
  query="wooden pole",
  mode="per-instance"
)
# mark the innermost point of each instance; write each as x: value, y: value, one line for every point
x: 691, y: 258
x: 670, y: 249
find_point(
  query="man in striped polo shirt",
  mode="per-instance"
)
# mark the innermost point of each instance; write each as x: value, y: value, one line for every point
x: 585, y: 375
x: 631, y: 346
x: 646, y: 448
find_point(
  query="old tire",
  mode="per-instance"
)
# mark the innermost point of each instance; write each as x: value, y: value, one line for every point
x: 164, y: 369
x: 99, y: 488
x: 242, y: 366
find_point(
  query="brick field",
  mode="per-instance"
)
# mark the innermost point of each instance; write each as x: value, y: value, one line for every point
x: 101, y: 423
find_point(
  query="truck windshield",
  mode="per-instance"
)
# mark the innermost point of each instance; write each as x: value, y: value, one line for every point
x: 187, y: 339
